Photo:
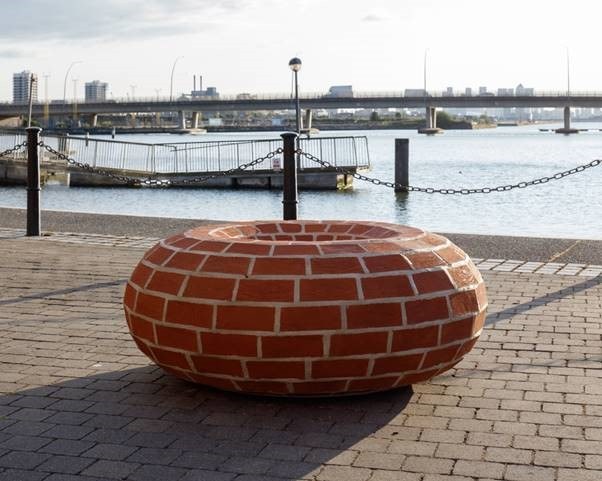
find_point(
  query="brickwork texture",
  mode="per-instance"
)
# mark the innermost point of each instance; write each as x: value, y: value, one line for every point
x: 305, y: 307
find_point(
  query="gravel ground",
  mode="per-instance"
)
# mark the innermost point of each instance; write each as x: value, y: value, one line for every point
x: 483, y: 246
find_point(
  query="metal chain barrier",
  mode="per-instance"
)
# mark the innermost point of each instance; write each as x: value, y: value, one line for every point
x: 241, y: 167
x: 432, y: 190
x: 14, y: 150
x: 155, y: 181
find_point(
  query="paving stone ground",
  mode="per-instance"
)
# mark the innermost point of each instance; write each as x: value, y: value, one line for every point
x: 78, y: 401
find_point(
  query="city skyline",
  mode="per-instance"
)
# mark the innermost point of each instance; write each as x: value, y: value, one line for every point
x: 244, y: 46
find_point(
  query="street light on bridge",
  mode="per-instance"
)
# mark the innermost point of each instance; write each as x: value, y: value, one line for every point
x: 295, y: 65
x: 173, y: 68
x: 66, y: 77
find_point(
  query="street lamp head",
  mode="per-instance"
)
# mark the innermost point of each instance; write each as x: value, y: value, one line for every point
x: 295, y: 64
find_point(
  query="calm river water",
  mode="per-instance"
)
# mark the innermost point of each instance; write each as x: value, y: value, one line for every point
x: 571, y: 207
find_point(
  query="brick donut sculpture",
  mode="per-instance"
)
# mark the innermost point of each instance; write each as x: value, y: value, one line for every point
x: 305, y: 307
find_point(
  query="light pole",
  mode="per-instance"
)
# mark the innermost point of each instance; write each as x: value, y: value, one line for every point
x: 295, y: 65
x: 424, y: 68
x: 568, y: 74
x: 46, y: 113
x: 75, y: 100
x: 33, y: 79
x: 173, y: 69
x: 67, y: 76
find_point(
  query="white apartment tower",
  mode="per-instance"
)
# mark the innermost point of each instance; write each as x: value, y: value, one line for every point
x: 96, y: 91
x: 21, y: 87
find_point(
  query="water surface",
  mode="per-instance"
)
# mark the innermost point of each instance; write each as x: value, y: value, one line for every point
x: 571, y: 207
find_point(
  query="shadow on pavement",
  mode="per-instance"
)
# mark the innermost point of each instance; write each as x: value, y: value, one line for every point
x: 142, y: 424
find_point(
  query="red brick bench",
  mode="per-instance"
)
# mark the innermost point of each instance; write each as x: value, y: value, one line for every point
x: 305, y: 307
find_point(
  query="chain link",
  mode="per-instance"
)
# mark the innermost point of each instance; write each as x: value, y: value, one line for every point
x: 14, y: 150
x: 155, y: 181
x: 464, y: 191
x: 241, y: 167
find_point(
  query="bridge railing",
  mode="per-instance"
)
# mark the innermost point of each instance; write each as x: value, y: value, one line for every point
x: 199, y: 157
x: 182, y: 101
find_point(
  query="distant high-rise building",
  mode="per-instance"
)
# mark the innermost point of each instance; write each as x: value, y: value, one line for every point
x: 468, y: 92
x: 21, y: 87
x: 96, y: 91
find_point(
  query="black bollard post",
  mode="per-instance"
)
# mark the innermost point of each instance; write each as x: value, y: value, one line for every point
x: 33, y: 181
x: 402, y: 165
x: 289, y: 182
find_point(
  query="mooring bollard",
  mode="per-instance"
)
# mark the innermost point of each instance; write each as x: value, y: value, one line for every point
x: 402, y: 165
x: 289, y: 181
x: 33, y: 181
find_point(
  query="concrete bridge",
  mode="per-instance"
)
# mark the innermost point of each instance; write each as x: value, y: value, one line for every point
x: 266, y: 102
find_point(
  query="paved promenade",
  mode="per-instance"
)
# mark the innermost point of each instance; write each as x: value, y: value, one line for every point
x: 79, y: 402
x: 485, y: 246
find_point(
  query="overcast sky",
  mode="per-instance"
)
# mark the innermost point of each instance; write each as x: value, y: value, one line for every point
x: 245, y: 45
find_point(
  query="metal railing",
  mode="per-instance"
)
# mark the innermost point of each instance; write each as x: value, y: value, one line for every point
x: 196, y: 157
x: 10, y: 139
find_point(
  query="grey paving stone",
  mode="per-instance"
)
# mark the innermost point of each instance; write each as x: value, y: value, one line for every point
x: 152, y: 440
x: 25, y: 443
x: 154, y: 456
x: 29, y: 401
x: 73, y: 477
x: 284, y: 452
x: 27, y: 428
x: 294, y: 469
x: 71, y: 393
x: 199, y: 460
x: 107, y: 421
x: 71, y: 405
x: 68, y: 432
x: 65, y: 464
x: 243, y: 465
x: 157, y: 473
x: 111, y: 436
x: 110, y: 469
x: 32, y: 414
x: 70, y: 418
x: 232, y: 448
x: 115, y: 452
x: 22, y: 460
x: 202, y: 475
x: 107, y: 408
x: 20, y: 475
x: 67, y: 446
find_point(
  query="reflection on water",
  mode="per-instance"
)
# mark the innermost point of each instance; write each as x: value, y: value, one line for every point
x: 568, y: 208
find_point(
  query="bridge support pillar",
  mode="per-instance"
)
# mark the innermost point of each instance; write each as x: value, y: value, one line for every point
x: 430, y: 121
x: 194, y: 121
x: 306, y: 121
x: 94, y: 120
x: 566, y: 129
x: 181, y: 120
x: 132, y: 119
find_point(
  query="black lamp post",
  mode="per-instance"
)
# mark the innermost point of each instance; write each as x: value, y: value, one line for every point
x: 295, y: 65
